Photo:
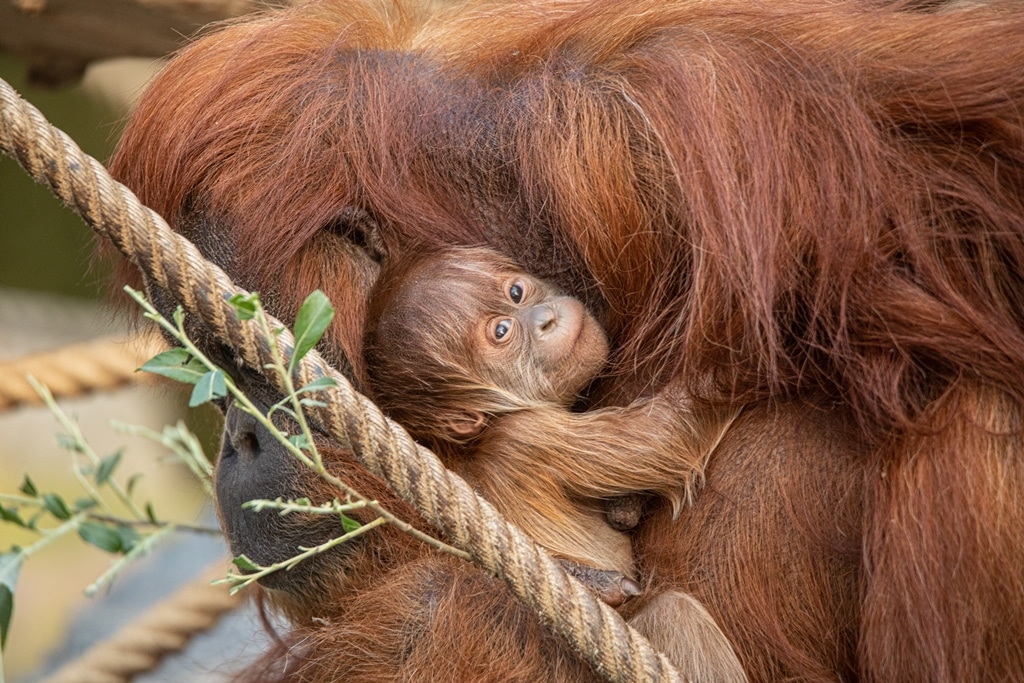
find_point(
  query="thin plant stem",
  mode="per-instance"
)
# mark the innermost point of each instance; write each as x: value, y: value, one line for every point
x: 50, y: 535
x: 113, y: 519
x: 180, y: 441
x: 138, y: 550
x: 20, y: 500
x: 145, y: 523
x: 286, y: 507
x: 177, y: 330
x: 238, y: 581
x: 80, y: 445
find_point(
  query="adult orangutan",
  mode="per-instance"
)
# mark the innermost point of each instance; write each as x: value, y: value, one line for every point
x: 811, y: 211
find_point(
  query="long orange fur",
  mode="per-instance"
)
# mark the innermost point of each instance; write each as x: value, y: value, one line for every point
x: 810, y: 210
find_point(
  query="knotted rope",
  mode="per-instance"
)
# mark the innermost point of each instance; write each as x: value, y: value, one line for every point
x: 596, y: 631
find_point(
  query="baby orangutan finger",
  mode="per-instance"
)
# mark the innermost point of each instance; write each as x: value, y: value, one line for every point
x: 613, y: 587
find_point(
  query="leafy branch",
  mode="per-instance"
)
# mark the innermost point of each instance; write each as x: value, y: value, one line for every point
x: 188, y: 364
x: 335, y: 507
x: 108, y: 516
x: 93, y: 516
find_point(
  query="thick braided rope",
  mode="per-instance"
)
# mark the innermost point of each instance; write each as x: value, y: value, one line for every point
x: 164, y: 629
x: 615, y: 650
x: 74, y: 370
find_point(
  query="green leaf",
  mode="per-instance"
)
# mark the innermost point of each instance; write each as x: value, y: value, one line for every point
x: 176, y: 364
x: 318, y: 384
x: 349, y: 524
x: 151, y: 514
x: 6, y: 612
x: 245, y: 564
x: 11, y: 515
x: 107, y: 467
x: 245, y: 305
x: 210, y: 386
x: 311, y: 322
x: 28, y: 488
x: 83, y: 504
x: 132, y: 481
x: 10, y: 565
x: 312, y: 403
x: 300, y: 441
x: 56, y: 505
x: 103, y: 536
x: 129, y: 537
x: 33, y: 521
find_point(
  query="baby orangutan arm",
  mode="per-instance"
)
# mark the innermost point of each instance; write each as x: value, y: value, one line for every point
x: 550, y: 469
x: 656, y: 445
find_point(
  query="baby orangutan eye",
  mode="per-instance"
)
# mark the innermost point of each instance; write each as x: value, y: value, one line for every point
x: 502, y: 329
x: 515, y: 292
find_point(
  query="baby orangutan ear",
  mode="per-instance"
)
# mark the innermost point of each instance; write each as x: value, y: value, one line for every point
x: 467, y: 424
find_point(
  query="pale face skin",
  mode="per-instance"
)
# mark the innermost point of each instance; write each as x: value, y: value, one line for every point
x: 530, y: 335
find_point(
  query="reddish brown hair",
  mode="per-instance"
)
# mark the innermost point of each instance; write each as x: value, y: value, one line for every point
x: 817, y: 206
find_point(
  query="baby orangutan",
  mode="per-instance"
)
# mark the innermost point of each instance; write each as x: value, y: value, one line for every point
x: 481, y: 362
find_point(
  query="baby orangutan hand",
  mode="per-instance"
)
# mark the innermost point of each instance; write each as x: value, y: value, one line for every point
x: 613, y: 587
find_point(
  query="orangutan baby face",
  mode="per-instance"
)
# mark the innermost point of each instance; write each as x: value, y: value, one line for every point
x: 526, y: 335
x: 465, y: 334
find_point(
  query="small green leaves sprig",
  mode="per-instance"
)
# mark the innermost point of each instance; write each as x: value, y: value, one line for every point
x: 106, y: 516
x: 188, y: 364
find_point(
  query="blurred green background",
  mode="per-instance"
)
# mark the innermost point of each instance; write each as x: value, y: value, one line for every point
x: 44, y: 246
x: 52, y: 294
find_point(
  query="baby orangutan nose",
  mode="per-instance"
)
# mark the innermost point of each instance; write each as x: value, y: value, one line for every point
x: 554, y: 318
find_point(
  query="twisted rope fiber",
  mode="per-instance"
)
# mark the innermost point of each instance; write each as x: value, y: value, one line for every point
x: 74, y: 370
x: 601, y: 636
x: 166, y: 627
